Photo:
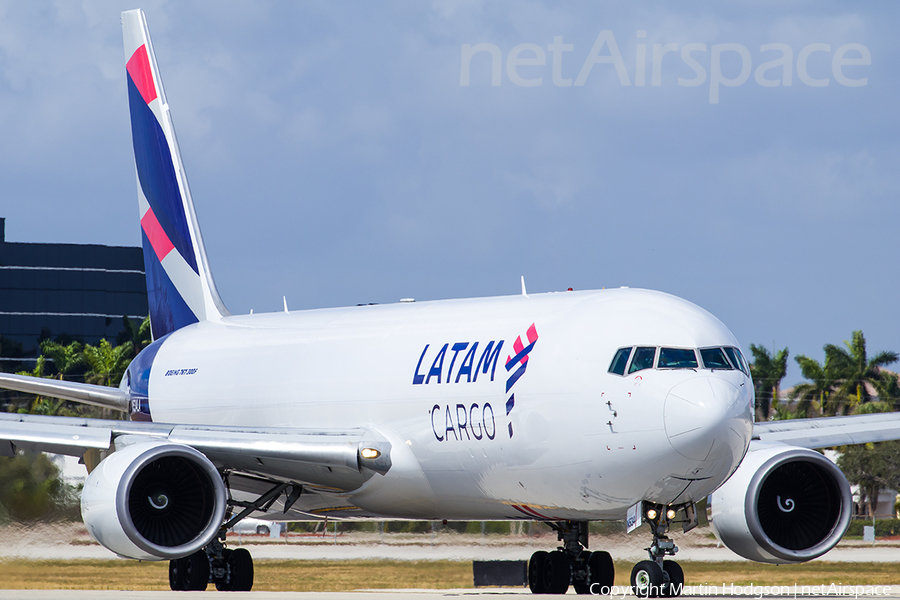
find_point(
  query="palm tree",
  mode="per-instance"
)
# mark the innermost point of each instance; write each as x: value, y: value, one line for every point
x: 817, y: 394
x: 767, y: 372
x: 38, y: 371
x: 107, y: 363
x: 138, y: 335
x: 41, y: 405
x: 844, y: 383
x: 857, y: 374
x: 66, y: 359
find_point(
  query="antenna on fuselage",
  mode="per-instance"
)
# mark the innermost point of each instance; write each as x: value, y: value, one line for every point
x: 285, y: 303
x: 524, y: 293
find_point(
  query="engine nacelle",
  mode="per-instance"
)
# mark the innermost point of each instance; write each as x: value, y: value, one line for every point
x: 154, y: 500
x: 782, y: 505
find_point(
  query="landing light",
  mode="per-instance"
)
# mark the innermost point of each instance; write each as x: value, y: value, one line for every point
x: 651, y: 514
x: 670, y: 514
x: 370, y: 453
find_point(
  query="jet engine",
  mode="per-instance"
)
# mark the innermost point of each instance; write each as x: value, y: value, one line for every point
x: 782, y: 505
x: 154, y: 501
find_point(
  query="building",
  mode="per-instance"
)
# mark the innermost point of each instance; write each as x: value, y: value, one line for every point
x: 74, y: 289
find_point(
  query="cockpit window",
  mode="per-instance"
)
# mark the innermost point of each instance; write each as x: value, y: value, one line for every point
x: 714, y: 358
x: 619, y: 361
x: 737, y: 359
x: 643, y: 359
x: 677, y: 358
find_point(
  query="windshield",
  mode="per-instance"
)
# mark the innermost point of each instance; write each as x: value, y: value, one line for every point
x: 677, y: 358
x: 643, y: 359
x: 737, y: 359
x: 633, y: 359
x: 619, y: 361
x: 714, y: 358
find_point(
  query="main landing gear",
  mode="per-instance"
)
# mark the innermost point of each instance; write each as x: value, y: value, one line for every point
x: 230, y: 570
x: 658, y: 578
x: 587, y: 572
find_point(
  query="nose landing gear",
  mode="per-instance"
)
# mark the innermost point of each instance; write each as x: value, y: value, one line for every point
x: 658, y: 577
x: 587, y: 572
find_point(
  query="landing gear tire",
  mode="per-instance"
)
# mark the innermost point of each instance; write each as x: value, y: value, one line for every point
x: 647, y: 579
x: 176, y: 575
x: 240, y: 564
x: 587, y: 572
x: 549, y: 572
x: 535, y: 572
x: 602, y: 571
x: 676, y: 578
x: 196, y: 571
x: 599, y: 574
x: 557, y: 573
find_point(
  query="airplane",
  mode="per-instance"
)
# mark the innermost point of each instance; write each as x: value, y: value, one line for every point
x: 565, y: 408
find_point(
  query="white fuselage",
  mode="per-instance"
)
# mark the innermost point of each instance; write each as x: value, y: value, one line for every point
x: 566, y: 440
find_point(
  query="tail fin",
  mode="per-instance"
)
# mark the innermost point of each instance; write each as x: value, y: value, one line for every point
x: 180, y: 286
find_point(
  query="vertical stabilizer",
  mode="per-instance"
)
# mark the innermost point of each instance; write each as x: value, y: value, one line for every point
x: 180, y: 286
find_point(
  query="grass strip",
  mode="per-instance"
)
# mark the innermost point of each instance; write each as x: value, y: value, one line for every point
x: 270, y: 575
x: 338, y: 576
x: 810, y: 573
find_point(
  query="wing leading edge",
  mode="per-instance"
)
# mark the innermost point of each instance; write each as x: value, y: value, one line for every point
x: 825, y: 432
x: 85, y: 393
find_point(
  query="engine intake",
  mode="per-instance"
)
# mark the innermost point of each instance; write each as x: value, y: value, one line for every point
x: 154, y: 501
x: 782, y: 505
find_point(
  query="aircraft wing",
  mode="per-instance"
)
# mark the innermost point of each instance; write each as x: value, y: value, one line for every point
x: 332, y: 459
x: 825, y: 432
x: 85, y: 393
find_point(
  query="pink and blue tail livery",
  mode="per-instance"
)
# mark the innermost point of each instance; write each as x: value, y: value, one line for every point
x: 180, y: 288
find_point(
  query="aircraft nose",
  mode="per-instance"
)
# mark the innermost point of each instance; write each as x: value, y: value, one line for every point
x: 706, y: 417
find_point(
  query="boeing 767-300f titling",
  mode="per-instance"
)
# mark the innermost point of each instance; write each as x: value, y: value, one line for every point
x: 564, y: 408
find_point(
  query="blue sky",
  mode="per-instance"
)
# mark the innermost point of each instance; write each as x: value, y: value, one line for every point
x: 335, y: 157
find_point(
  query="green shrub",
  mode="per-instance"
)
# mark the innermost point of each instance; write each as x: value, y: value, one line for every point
x: 883, y: 528
x: 31, y: 490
